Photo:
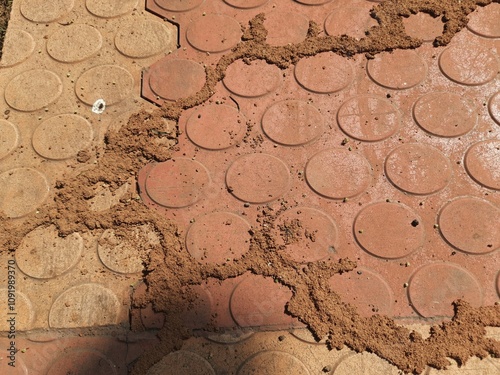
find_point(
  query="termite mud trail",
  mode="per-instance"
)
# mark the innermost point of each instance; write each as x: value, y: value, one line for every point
x: 170, y: 268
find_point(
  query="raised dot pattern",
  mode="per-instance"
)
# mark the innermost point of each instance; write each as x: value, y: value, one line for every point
x: 302, y: 126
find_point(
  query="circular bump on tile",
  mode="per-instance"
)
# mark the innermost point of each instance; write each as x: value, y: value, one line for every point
x: 470, y: 65
x: 84, y: 305
x: 246, y: 4
x: 110, y: 8
x: 418, y: 169
x: 252, y: 80
x: 177, y: 183
x: 352, y: 21
x: 178, y: 5
x: 313, y: 2
x: 338, y: 173
x: 214, y: 33
x: 144, y: 38
x: 423, y: 26
x: 309, y: 234
x: 366, y: 364
x: 324, y: 73
x: 494, y: 107
x: 445, y: 114
x: 482, y: 162
x: 73, y: 43
x: 400, y: 69
x: 42, y: 254
x: 218, y: 237
x: 434, y: 287
x: 87, y: 360
x: 9, y: 138
x: 368, y: 118
x: 365, y: 290
x: 25, y: 314
x: 471, y: 225
x: 45, y: 11
x: 111, y: 83
x: 216, y: 127
x: 295, y: 32
x: 484, y: 21
x: 257, y: 178
x: 33, y: 89
x: 389, y: 230
x: 17, y: 47
x: 182, y: 362
x: 62, y: 136
x: 292, y: 122
x: 123, y: 253
x: 176, y: 79
x: 258, y: 301
x: 273, y: 362
x: 23, y: 190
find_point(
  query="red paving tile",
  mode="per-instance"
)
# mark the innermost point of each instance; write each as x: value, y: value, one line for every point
x: 392, y: 161
x: 376, y: 148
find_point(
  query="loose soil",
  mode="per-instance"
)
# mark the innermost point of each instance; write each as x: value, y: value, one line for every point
x: 169, y: 268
